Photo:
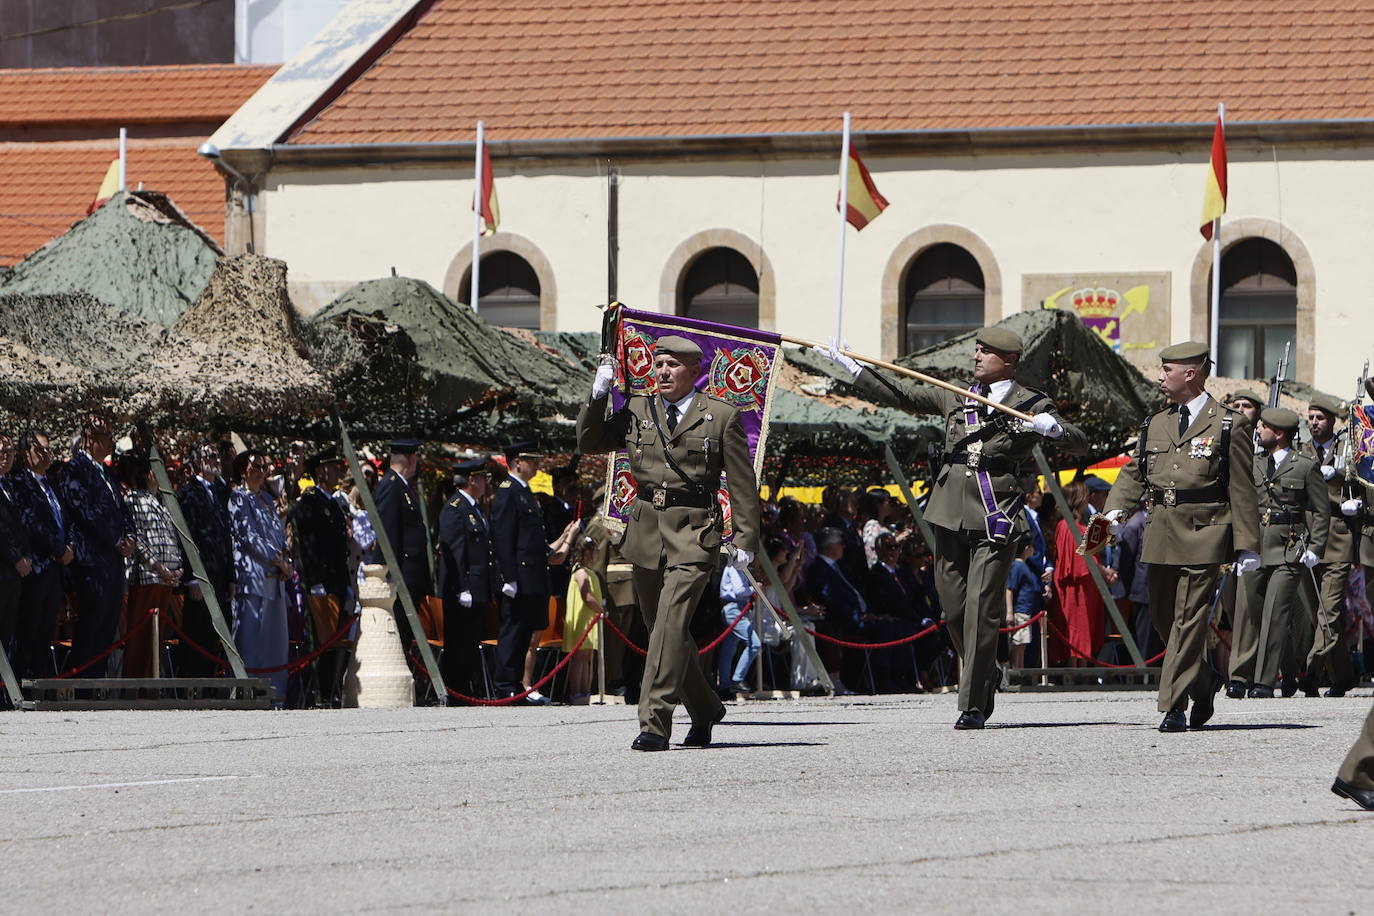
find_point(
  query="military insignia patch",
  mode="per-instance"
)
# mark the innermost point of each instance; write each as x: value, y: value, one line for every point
x: 623, y: 489
x: 1201, y: 447
x: 739, y: 376
x: 637, y: 360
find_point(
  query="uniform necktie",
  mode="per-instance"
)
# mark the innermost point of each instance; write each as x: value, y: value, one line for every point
x: 1271, y: 467
x: 1182, y: 419
x: 1321, y: 454
x: 672, y: 417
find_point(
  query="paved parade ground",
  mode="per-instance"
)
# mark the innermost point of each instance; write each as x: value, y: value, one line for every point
x: 1067, y: 802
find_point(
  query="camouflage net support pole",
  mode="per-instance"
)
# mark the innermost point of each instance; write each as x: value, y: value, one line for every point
x: 798, y: 625
x: 895, y: 470
x: 11, y: 682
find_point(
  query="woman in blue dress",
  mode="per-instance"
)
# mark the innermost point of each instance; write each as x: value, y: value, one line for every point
x: 262, y: 570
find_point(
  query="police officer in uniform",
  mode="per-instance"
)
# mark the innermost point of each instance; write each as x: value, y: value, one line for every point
x: 1330, y: 652
x: 679, y: 441
x: 976, y: 498
x: 1194, y: 463
x: 398, y: 506
x: 467, y: 574
x: 1294, y: 518
x: 321, y: 532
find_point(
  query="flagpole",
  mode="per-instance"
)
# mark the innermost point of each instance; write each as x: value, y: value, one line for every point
x: 838, y: 339
x: 1215, y: 313
x: 123, y: 158
x: 476, y: 216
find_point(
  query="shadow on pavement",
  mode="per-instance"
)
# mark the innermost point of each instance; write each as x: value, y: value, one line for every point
x: 1053, y: 724
x: 729, y: 744
x: 1247, y: 727
x: 782, y: 724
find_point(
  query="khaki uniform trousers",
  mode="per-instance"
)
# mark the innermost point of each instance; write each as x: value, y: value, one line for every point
x: 1358, y: 768
x: 1245, y: 612
x: 1180, y: 601
x: 971, y: 579
x: 1277, y: 599
x: 1329, y: 648
x: 668, y: 598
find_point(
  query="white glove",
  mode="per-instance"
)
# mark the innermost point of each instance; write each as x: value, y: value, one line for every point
x: 1352, y: 506
x: 605, y: 375
x: 1309, y: 559
x: 1328, y: 472
x: 833, y: 354
x: 1246, y: 561
x: 1114, y: 521
x: 740, y: 558
x: 465, y: 599
x: 508, y: 589
x: 1046, y: 425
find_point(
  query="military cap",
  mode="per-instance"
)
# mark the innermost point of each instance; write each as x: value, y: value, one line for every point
x: 1327, y: 403
x: 405, y: 446
x: 471, y: 466
x: 678, y: 346
x: 520, y: 450
x: 1280, y: 418
x: 1003, y: 339
x: 1096, y: 484
x: 328, y: 456
x: 1187, y: 352
x: 1248, y: 395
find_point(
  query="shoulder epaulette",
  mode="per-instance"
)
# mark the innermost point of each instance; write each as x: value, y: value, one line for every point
x: 503, y: 484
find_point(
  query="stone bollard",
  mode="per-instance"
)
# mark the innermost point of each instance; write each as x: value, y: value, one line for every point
x: 378, y: 677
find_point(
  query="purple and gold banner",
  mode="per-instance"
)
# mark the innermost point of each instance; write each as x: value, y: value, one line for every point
x: 1362, y: 442
x: 736, y: 366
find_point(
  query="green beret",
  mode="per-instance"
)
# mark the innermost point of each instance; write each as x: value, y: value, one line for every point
x: 1003, y: 339
x: 1280, y: 418
x: 1327, y: 403
x: 1188, y: 352
x: 678, y: 346
x: 1249, y: 396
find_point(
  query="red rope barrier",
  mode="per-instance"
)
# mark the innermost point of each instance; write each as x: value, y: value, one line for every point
x: 292, y: 667
x: 72, y: 672
x: 1220, y: 635
x: 1021, y: 626
x: 1077, y: 654
x: 877, y: 645
x: 625, y: 639
x: 506, y: 701
x: 620, y: 634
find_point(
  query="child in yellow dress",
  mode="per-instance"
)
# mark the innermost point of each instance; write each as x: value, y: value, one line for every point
x: 584, y: 603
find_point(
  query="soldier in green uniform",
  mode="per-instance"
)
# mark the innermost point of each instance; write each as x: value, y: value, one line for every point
x: 1294, y: 518
x: 679, y: 442
x: 1243, y: 633
x: 1330, y: 653
x: 1355, y: 779
x: 1194, y: 463
x: 976, y: 497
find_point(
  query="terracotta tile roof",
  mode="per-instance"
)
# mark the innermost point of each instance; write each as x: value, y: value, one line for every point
x: 126, y: 95
x: 48, y: 186
x: 547, y: 69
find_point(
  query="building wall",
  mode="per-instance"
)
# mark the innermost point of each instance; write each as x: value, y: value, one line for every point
x: 1115, y: 215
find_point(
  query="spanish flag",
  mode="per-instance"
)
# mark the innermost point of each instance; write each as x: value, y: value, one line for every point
x: 862, y: 197
x: 1214, y: 197
x: 108, y: 188
x: 485, y: 200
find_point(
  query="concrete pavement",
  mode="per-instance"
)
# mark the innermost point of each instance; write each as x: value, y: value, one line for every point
x: 1067, y: 802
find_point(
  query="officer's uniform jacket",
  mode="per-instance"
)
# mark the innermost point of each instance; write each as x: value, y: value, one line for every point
x: 955, y: 502
x: 466, y: 560
x: 709, y: 438
x: 1341, y: 544
x: 1294, y: 513
x: 321, y: 538
x: 398, y: 506
x: 95, y: 511
x: 1181, y: 533
x: 519, y: 540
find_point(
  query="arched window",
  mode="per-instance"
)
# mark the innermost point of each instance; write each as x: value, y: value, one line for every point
x: 509, y: 294
x: 942, y: 297
x: 1259, y: 308
x: 720, y: 285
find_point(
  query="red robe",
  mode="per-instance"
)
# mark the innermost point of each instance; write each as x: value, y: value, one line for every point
x: 1076, y: 620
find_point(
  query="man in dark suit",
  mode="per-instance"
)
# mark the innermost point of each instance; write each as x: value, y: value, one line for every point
x: 204, y: 502
x: 467, y: 575
x: 42, y: 518
x: 102, y: 536
x: 15, y: 564
x: 321, y: 539
x: 892, y: 615
x: 829, y: 586
x: 398, y: 506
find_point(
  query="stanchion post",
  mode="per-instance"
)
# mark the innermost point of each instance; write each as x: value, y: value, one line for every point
x: 798, y: 626
x: 1045, y: 648
x: 188, y: 544
x: 895, y: 469
x: 601, y: 659
x: 1067, y: 513
x: 758, y: 634
x: 436, y: 677
x: 157, y: 645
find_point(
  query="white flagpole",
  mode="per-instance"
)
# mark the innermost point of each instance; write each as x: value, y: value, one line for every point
x: 476, y: 217
x: 838, y: 340
x: 123, y: 158
x: 1216, y: 261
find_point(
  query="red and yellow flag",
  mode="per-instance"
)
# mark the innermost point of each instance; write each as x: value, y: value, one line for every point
x: 485, y: 200
x: 1214, y: 197
x: 108, y: 187
x: 863, y: 201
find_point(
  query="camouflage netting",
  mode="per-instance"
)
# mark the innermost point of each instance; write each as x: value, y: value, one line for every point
x: 404, y: 358
x: 137, y: 252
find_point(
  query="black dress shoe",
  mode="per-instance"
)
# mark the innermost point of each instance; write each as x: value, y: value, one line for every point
x: 1287, y: 688
x: 1309, y: 686
x: 1362, y: 797
x: 699, y: 735
x: 648, y: 741
x: 1236, y: 690
x: 1340, y: 690
x: 969, y: 720
x: 1174, y: 721
x: 1202, y: 711
x: 1261, y: 692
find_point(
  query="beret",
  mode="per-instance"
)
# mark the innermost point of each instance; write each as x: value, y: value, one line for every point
x: 1280, y: 418
x: 678, y: 346
x: 1187, y: 352
x: 1327, y: 403
x: 1004, y: 339
x: 1249, y: 396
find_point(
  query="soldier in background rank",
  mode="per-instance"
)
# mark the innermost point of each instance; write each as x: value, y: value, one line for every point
x: 467, y: 575
x: 1294, y: 518
x: 1330, y: 653
x: 398, y: 507
x: 1194, y: 463
x: 977, y: 495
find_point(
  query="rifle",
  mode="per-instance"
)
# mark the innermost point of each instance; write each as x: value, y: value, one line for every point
x: 1276, y: 386
x: 1348, y: 449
